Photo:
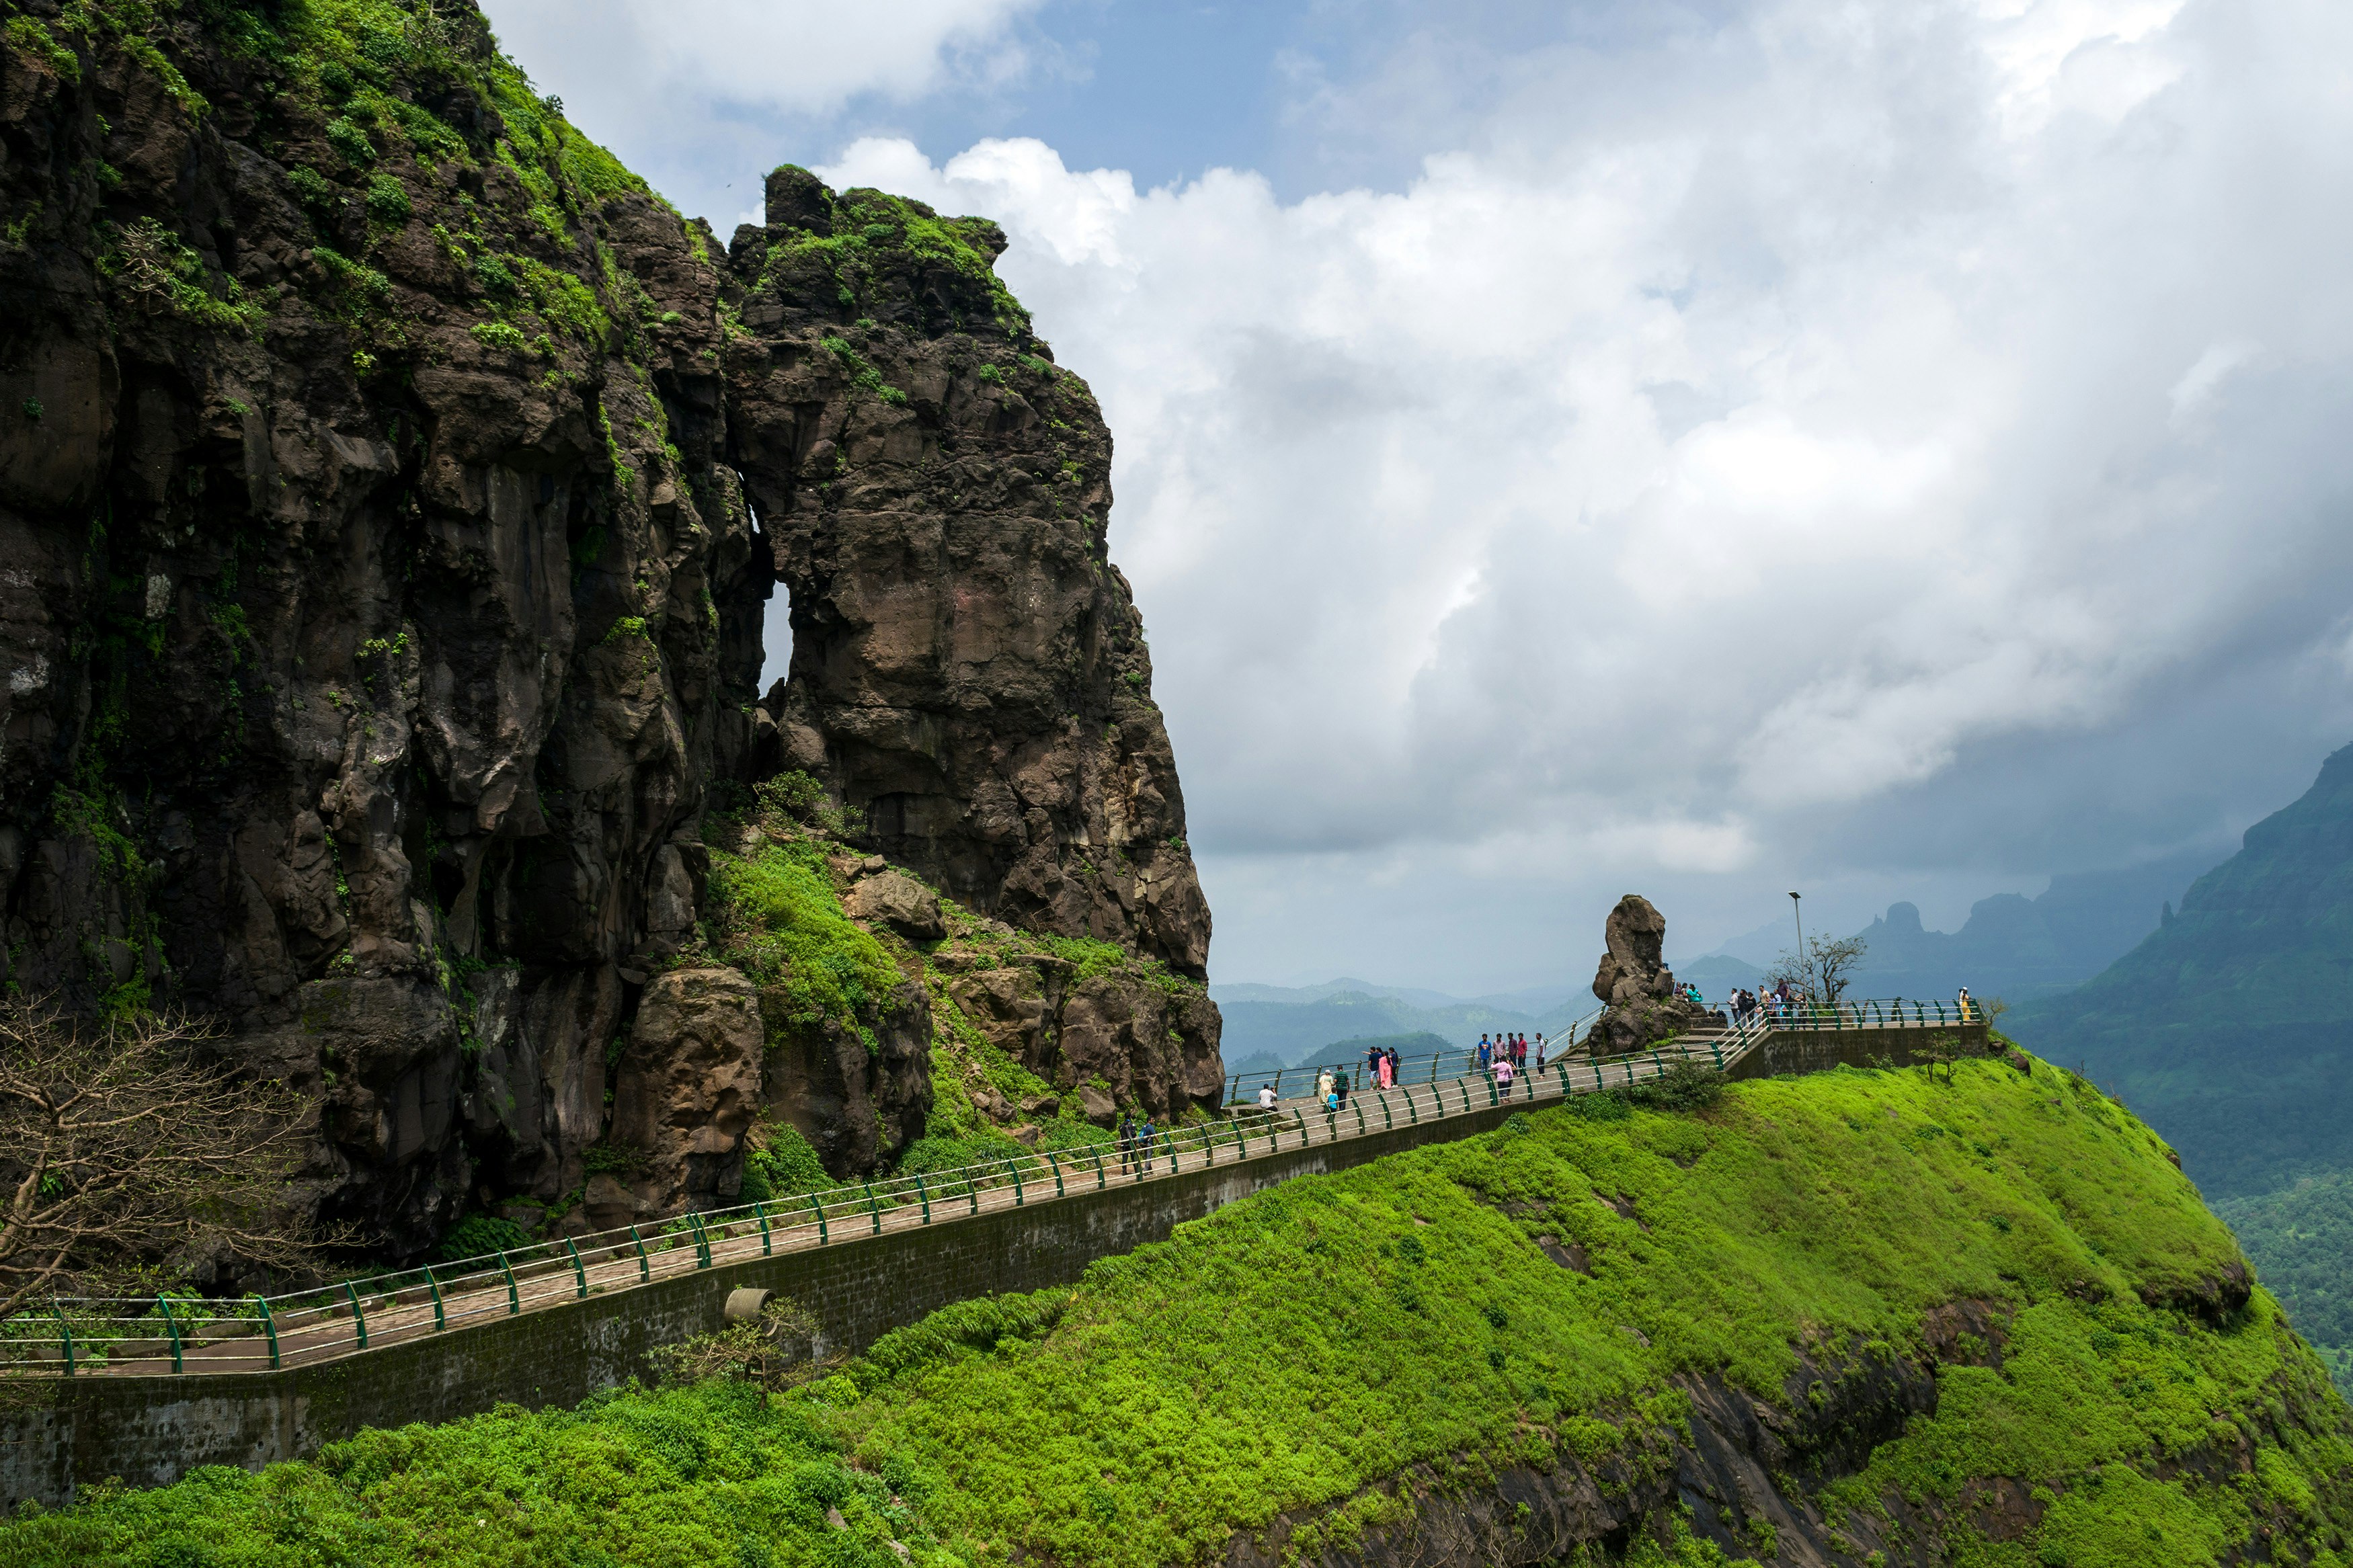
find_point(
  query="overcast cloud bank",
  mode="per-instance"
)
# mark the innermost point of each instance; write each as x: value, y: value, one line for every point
x: 1891, y: 451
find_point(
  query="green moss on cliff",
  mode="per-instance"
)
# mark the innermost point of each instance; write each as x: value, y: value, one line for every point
x: 775, y: 916
x: 1299, y: 1350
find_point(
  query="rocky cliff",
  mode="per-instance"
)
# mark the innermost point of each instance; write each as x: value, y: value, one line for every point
x: 391, y: 487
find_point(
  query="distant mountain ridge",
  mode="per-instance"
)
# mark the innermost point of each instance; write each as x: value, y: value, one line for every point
x: 2230, y: 1028
x: 2011, y: 946
x: 1268, y: 1026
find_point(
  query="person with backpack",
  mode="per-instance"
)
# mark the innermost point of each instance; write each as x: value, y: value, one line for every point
x: 1144, y: 1136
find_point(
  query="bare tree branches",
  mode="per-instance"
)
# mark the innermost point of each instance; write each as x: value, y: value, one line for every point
x: 126, y: 1162
x: 1823, y: 971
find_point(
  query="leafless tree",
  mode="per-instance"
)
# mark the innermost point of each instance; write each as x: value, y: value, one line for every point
x: 126, y: 1159
x: 1823, y: 971
x: 777, y: 1350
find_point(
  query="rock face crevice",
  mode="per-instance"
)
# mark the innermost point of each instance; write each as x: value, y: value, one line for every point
x: 391, y: 491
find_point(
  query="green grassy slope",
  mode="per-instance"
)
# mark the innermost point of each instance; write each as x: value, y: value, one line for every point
x: 2231, y: 1026
x: 1297, y: 1351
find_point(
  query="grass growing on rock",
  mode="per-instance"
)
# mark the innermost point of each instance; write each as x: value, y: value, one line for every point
x: 1298, y: 1347
x: 777, y: 918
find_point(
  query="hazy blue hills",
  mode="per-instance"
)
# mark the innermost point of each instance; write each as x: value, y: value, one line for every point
x: 2230, y: 1027
x: 1267, y: 1027
x: 2011, y: 946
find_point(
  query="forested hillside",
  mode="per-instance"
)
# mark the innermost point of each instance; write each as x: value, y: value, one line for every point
x: 1859, y: 1318
x: 2230, y: 1026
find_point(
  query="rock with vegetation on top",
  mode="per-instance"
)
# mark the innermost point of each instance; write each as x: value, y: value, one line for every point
x: 384, y: 601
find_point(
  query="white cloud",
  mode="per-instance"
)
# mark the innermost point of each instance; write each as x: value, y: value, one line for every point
x: 801, y: 57
x: 1684, y: 477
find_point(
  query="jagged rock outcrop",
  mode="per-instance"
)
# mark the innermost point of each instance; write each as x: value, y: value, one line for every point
x: 380, y: 601
x: 1641, y: 1003
x: 1113, y: 1038
x: 968, y: 667
x: 689, y: 1085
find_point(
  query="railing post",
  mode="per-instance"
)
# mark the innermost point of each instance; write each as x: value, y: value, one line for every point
x: 441, y: 1311
x: 514, y: 1296
x: 1304, y: 1139
x: 65, y: 1336
x: 1413, y: 1116
x: 1358, y: 1104
x: 1463, y: 1084
x: 1056, y: 1165
x: 873, y: 1209
x: 163, y: 1304
x: 1240, y: 1143
x: 1015, y: 1171
x: 359, y: 1321
x: 580, y: 1271
x: 760, y: 1209
x: 1388, y: 1123
x: 269, y: 1326
x: 645, y: 1264
x: 922, y: 1193
x: 971, y: 1191
x: 1101, y: 1180
x: 1168, y: 1142
x: 701, y: 1240
x: 816, y: 1202
x: 1718, y: 1048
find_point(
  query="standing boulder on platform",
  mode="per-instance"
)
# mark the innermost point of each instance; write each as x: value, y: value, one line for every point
x: 1642, y: 1004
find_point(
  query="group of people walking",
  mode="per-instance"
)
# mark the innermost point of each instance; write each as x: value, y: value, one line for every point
x: 1135, y: 1138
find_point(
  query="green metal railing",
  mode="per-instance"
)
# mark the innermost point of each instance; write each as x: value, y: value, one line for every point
x: 188, y: 1335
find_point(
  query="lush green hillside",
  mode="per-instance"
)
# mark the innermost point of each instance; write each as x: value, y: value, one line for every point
x: 1494, y: 1349
x: 2302, y: 1239
x: 2230, y: 1028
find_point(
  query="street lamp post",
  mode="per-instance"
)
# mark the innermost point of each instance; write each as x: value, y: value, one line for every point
x: 1800, y: 919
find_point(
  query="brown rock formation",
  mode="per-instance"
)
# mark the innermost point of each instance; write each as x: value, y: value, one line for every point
x: 1113, y: 1039
x: 899, y: 902
x: 379, y: 598
x: 689, y: 1085
x: 1641, y: 1002
x: 968, y: 666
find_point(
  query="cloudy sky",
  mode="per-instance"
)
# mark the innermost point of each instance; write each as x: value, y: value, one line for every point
x: 1887, y: 451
